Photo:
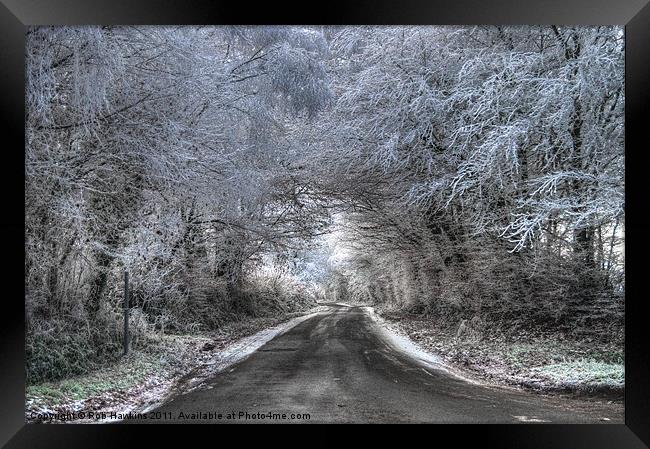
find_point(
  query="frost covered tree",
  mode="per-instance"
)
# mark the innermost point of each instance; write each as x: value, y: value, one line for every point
x: 501, y: 144
x: 161, y: 151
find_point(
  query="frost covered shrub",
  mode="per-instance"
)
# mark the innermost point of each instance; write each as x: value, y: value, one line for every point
x: 512, y: 290
x: 59, y: 348
x: 272, y: 289
x: 56, y: 349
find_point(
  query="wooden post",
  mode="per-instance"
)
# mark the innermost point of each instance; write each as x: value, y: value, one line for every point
x: 126, y: 312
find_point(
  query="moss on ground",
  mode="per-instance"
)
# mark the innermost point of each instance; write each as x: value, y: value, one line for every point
x: 583, y: 371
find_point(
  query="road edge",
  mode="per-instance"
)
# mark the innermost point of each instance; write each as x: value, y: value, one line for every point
x: 403, y: 343
x: 234, y: 353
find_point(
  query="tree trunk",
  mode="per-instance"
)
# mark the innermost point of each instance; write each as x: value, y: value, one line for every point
x: 98, y: 283
x: 55, y: 300
x: 584, y: 246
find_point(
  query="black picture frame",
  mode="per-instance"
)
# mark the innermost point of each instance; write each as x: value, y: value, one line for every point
x: 16, y: 15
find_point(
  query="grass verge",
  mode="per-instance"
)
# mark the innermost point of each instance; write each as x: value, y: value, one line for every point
x: 544, y: 362
x: 144, y: 376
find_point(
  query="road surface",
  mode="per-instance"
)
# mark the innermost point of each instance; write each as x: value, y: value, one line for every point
x: 338, y: 367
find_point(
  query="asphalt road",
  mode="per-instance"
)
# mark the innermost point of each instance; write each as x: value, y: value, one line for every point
x: 338, y: 367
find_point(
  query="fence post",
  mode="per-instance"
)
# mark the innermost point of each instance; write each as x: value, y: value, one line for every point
x: 126, y: 312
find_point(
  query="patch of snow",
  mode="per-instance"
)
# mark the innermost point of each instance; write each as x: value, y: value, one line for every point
x: 530, y: 419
